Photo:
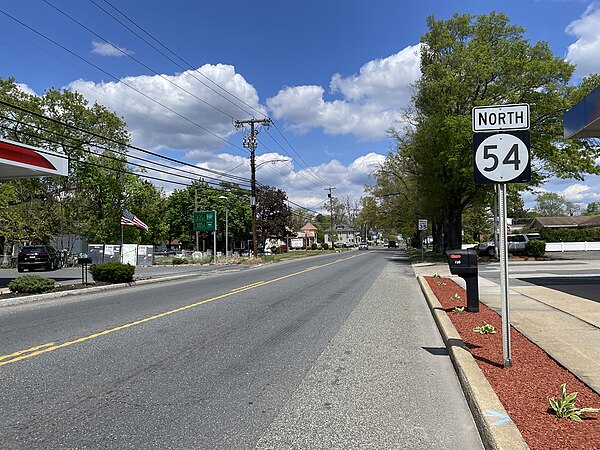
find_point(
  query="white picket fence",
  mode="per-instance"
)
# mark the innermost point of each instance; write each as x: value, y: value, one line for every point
x: 572, y: 246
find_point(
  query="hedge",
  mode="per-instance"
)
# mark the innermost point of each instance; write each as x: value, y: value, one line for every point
x: 112, y: 272
x: 570, y: 234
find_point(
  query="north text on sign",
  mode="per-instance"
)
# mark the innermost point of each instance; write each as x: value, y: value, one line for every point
x: 494, y: 118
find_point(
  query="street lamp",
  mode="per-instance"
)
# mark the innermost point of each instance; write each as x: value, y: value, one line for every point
x: 226, y: 226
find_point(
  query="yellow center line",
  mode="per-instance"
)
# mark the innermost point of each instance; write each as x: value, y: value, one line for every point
x: 20, y: 352
x: 41, y: 349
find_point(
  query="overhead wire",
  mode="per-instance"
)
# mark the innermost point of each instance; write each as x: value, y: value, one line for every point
x: 196, y: 176
x: 130, y: 56
x: 187, y: 119
x: 309, y: 169
x: 189, y: 65
x: 133, y: 147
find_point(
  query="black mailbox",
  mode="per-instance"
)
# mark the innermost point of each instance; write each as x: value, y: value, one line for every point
x: 83, y: 258
x: 464, y: 264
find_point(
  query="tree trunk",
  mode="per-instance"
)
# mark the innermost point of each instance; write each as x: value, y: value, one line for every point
x: 437, y: 231
x: 453, y: 229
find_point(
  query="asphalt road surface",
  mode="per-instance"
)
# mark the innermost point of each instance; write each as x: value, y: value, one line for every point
x: 236, y: 360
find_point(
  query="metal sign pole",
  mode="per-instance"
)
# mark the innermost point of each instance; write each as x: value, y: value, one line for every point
x: 215, y: 246
x: 506, y: 352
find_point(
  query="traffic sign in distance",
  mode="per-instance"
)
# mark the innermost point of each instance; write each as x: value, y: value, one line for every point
x: 205, y: 220
x: 422, y: 224
x: 502, y: 157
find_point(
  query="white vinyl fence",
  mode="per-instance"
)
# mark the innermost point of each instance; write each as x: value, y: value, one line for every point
x: 572, y: 246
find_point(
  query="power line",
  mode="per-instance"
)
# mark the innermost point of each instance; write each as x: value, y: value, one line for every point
x: 118, y: 80
x: 142, y: 150
x: 195, y: 178
x: 137, y: 60
x: 189, y: 65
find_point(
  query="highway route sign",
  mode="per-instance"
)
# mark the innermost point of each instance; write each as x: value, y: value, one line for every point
x: 502, y: 157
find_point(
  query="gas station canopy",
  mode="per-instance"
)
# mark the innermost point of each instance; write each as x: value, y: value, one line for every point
x: 583, y: 119
x: 23, y: 161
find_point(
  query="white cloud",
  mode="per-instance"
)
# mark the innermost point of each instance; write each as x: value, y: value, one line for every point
x: 183, y: 121
x: 585, y: 50
x: 109, y: 49
x: 372, y: 100
x: 23, y: 87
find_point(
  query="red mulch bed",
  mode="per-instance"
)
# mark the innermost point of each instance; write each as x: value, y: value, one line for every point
x: 524, y: 388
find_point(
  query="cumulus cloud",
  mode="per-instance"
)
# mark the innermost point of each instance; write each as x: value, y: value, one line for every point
x: 23, y: 87
x: 584, y: 51
x: 109, y: 49
x: 371, y: 100
x: 177, y: 119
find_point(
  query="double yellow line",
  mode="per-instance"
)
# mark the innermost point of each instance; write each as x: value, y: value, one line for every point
x: 51, y: 346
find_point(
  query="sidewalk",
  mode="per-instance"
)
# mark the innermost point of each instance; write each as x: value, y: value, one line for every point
x: 565, y: 326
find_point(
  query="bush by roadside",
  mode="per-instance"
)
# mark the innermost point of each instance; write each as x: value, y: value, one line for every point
x: 31, y: 284
x: 112, y: 272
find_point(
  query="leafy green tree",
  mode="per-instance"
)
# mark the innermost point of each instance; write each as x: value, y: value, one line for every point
x: 550, y: 204
x: 181, y: 204
x: 89, y: 201
x: 272, y: 213
x: 592, y: 209
x: 469, y: 61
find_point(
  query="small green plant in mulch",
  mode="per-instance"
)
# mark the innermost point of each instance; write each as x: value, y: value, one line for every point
x: 112, y: 272
x: 486, y: 328
x: 455, y: 297
x: 31, y: 284
x: 440, y: 283
x: 458, y: 309
x: 436, y: 275
x: 564, y: 407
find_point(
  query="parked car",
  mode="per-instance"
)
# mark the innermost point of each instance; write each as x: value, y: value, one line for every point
x: 38, y: 256
x: 392, y: 244
x: 516, y: 244
x: 363, y: 246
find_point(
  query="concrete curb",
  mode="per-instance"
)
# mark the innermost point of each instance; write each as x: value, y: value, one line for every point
x: 92, y: 290
x: 497, y: 433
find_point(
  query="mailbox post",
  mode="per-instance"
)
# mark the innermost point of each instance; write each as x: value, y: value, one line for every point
x: 84, y: 260
x: 464, y: 264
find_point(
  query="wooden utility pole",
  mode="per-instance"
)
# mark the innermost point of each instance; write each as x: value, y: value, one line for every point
x: 331, y: 212
x: 250, y: 142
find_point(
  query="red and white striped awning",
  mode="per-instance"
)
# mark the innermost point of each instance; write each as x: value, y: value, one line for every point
x: 23, y: 161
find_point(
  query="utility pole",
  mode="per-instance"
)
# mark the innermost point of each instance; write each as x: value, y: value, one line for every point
x: 331, y: 212
x: 250, y: 142
x: 196, y: 209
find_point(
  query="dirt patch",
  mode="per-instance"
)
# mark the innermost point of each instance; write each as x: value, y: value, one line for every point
x: 524, y: 388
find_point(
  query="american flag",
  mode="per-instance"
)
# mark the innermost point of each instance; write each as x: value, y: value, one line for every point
x: 130, y: 220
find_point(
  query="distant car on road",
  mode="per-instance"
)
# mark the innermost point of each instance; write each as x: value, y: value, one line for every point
x: 363, y: 246
x: 38, y: 256
x: 392, y: 244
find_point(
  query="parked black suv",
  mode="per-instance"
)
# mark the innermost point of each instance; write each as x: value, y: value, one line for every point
x: 36, y: 256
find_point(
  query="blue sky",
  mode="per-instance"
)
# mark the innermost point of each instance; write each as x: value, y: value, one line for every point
x: 334, y: 75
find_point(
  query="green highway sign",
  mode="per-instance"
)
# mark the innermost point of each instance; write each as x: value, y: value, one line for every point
x: 205, y: 221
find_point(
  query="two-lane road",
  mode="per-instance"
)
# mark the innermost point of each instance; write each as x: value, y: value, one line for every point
x: 213, y: 362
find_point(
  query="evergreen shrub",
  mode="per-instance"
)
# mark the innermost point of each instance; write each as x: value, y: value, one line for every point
x: 31, y: 284
x: 112, y: 272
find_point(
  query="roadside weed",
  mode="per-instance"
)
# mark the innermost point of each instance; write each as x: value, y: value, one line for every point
x: 565, y: 406
x: 455, y: 297
x: 458, y: 309
x: 486, y: 328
